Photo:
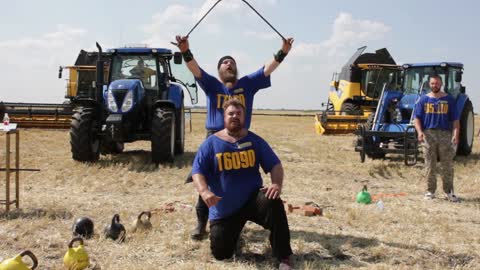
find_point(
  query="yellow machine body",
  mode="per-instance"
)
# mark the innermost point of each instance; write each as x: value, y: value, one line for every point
x: 336, y: 120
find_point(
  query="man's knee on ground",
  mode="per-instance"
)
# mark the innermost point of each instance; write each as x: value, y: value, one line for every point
x: 221, y: 254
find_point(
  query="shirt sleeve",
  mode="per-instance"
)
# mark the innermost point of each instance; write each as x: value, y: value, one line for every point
x: 259, y: 80
x: 267, y: 158
x: 207, y: 82
x: 419, y: 108
x: 203, y: 160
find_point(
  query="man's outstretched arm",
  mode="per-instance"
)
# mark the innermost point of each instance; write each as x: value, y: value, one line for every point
x: 184, y: 47
x: 278, y: 58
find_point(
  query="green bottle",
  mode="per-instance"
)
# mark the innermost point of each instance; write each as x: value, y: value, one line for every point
x: 363, y: 196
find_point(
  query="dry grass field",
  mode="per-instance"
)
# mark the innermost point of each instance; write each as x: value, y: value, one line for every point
x: 409, y: 233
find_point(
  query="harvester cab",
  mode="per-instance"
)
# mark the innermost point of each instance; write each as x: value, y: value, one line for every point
x: 354, y: 92
x: 142, y: 99
x: 391, y: 128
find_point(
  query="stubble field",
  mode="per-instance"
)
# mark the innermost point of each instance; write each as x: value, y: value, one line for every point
x: 409, y: 233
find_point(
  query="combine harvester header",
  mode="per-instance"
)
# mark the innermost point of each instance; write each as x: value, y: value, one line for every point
x: 50, y: 115
x: 355, y: 91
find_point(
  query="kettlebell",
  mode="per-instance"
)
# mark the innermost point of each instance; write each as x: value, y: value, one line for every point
x: 363, y: 196
x: 76, y: 258
x: 83, y: 226
x: 115, y: 230
x: 142, y: 224
x: 16, y: 263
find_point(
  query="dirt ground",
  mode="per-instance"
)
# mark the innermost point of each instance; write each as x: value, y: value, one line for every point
x: 409, y: 233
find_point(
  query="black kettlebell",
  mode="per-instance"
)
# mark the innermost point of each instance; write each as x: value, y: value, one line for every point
x: 83, y: 227
x: 115, y: 230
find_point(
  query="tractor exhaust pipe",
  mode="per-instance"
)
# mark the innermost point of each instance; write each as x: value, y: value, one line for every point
x: 100, y: 75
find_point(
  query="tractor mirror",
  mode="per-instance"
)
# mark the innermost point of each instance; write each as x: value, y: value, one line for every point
x: 462, y: 89
x: 458, y: 77
x: 60, y: 70
x: 177, y: 58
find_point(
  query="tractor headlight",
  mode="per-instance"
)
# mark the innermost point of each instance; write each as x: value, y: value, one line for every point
x: 112, y: 105
x: 127, y: 102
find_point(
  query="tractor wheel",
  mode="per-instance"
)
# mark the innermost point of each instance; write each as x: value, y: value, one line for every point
x: 466, y: 130
x: 349, y: 108
x: 85, y: 145
x: 163, y: 135
x: 180, y: 130
x: 111, y: 147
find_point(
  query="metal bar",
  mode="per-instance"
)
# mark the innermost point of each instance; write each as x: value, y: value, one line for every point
x: 379, y: 107
x: 15, y: 169
x: 7, y: 176
x: 264, y: 19
x: 17, y: 164
x: 195, y: 26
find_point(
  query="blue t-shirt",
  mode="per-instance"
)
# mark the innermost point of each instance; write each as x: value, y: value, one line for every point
x: 232, y: 170
x: 437, y: 113
x: 217, y: 93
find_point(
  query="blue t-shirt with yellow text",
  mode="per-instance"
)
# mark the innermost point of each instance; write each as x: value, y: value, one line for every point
x: 232, y: 170
x: 436, y: 113
x: 217, y: 93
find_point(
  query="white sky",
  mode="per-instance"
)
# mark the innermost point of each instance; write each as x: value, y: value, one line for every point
x: 38, y: 36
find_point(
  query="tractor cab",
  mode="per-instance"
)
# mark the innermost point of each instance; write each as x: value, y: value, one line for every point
x: 144, y: 75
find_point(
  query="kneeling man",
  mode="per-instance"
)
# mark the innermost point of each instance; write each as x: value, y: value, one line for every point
x: 226, y: 174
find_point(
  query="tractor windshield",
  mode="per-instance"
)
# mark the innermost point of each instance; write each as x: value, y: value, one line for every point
x: 142, y: 67
x: 183, y: 76
x: 373, y: 81
x: 416, y: 79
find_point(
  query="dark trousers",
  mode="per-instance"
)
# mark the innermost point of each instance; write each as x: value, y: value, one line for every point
x: 201, y: 207
x: 270, y: 214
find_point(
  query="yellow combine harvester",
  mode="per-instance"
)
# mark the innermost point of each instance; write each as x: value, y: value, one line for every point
x: 47, y: 115
x: 354, y: 93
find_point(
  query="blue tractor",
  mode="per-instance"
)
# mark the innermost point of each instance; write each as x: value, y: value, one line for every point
x: 390, y: 129
x: 142, y: 99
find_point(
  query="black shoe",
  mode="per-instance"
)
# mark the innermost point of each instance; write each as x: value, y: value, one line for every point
x: 199, y: 233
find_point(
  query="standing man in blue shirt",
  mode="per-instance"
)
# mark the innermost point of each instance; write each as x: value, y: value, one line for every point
x: 227, y: 177
x: 435, y: 117
x: 219, y: 91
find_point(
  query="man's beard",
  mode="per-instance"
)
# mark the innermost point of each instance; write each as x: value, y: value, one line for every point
x: 234, y: 129
x: 228, y: 76
x: 435, y: 89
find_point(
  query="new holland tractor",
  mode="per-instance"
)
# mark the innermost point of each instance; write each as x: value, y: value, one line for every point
x: 354, y: 93
x: 142, y: 99
x: 391, y: 130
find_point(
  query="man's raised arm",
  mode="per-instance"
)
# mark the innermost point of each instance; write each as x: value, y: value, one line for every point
x: 279, y: 56
x: 184, y: 47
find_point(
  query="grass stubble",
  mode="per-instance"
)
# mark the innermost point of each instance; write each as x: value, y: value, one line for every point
x: 409, y: 233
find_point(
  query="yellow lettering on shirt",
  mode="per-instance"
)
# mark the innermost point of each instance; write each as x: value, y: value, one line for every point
x: 236, y: 160
x: 222, y: 98
x: 441, y: 108
x: 219, y: 158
